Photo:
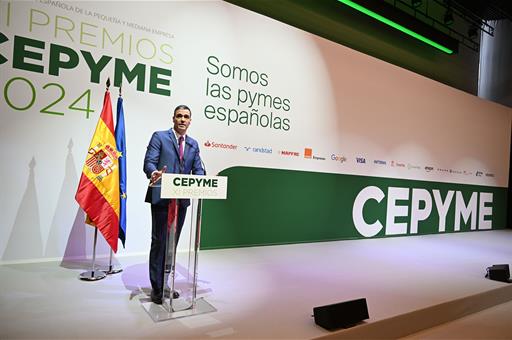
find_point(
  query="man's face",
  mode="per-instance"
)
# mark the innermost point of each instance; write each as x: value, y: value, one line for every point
x: 181, y: 121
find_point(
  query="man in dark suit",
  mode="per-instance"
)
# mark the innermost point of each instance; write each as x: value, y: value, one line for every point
x: 171, y: 151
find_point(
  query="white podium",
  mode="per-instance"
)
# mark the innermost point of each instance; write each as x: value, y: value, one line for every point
x: 196, y: 188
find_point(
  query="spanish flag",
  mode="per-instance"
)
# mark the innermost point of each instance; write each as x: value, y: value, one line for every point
x: 98, y: 191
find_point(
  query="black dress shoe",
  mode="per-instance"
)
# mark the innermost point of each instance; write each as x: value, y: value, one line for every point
x: 156, y: 298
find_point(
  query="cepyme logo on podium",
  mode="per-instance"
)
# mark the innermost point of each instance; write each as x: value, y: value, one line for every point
x: 193, y: 186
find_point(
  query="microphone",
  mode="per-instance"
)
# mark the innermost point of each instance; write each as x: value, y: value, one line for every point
x: 202, y: 164
x: 182, y: 164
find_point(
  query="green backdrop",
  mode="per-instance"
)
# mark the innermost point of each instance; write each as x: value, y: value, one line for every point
x: 273, y: 206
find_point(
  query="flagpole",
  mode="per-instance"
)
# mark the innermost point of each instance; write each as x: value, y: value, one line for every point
x: 111, y: 270
x: 93, y: 275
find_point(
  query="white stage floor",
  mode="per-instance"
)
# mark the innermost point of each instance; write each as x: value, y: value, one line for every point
x: 262, y: 292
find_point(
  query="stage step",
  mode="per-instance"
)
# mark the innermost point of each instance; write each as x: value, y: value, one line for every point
x: 415, y: 321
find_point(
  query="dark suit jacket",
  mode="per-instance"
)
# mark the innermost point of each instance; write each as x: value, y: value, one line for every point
x: 163, y: 150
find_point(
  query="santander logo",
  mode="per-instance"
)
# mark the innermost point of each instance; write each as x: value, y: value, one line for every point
x: 209, y: 144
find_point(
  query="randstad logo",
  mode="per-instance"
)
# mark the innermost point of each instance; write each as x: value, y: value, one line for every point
x: 361, y: 160
x: 209, y: 144
x: 308, y: 153
x: 259, y: 150
x: 340, y: 159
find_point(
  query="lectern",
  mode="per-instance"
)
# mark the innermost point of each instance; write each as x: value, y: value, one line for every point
x: 196, y: 188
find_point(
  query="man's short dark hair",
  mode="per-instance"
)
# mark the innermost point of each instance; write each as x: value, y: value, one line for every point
x: 182, y: 107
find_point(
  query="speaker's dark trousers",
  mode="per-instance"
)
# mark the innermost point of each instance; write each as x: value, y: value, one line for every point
x: 158, y: 239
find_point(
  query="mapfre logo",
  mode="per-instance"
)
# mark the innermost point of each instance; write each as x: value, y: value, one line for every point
x: 289, y: 153
x: 214, y: 145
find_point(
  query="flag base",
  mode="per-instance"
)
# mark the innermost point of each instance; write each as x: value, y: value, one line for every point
x: 111, y: 270
x: 92, y: 275
x: 181, y: 309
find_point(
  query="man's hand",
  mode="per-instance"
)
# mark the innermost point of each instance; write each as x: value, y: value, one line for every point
x: 157, y: 175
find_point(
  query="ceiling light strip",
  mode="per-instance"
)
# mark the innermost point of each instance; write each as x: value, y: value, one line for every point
x: 395, y: 25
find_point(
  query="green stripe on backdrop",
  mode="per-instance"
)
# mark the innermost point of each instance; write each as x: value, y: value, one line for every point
x: 273, y: 206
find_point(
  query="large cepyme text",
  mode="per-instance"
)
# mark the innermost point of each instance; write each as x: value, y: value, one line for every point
x: 33, y: 55
x: 454, y: 210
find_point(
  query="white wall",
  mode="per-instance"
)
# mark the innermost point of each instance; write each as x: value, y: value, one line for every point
x: 342, y: 103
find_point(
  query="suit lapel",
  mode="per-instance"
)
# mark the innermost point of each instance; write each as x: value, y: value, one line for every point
x: 174, y: 142
x: 188, y: 148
